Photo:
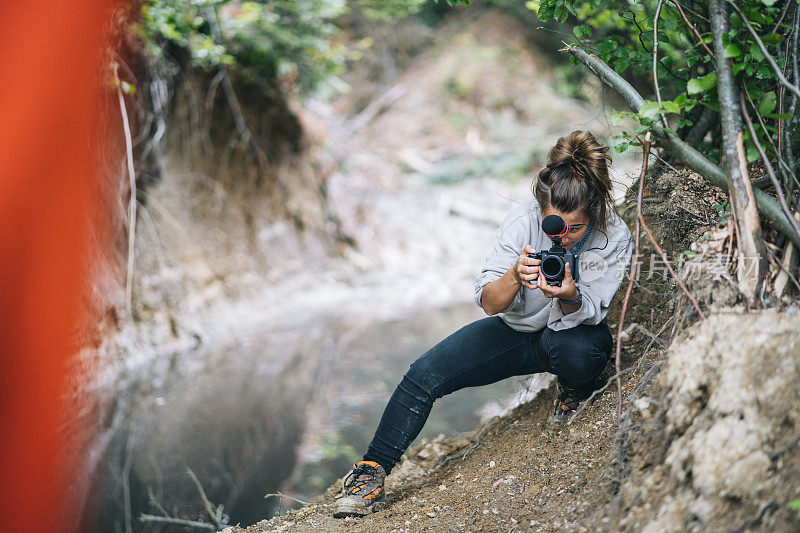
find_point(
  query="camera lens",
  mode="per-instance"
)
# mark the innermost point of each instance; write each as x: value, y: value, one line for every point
x: 552, y: 267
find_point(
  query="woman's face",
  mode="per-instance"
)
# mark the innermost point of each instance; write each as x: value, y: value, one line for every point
x: 576, y: 217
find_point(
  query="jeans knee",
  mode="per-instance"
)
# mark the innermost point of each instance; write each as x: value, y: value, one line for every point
x: 420, y: 382
x: 575, y: 359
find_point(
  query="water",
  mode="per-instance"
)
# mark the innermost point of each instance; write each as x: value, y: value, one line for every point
x: 286, y: 409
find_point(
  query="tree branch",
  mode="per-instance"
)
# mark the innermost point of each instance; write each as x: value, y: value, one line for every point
x: 132, y: 202
x: 655, y: 61
x: 751, y: 264
x: 694, y: 29
x: 768, y: 166
x: 177, y: 521
x: 676, y: 146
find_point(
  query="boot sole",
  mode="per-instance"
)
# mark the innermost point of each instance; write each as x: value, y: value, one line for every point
x: 346, y: 509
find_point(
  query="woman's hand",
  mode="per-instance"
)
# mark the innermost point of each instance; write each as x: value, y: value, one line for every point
x: 567, y: 290
x: 526, y: 271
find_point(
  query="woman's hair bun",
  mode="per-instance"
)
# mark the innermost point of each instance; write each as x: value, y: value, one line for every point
x: 576, y: 177
x: 580, y: 148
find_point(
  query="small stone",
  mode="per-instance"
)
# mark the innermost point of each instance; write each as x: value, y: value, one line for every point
x: 492, y: 464
x: 432, y: 515
x: 442, y: 487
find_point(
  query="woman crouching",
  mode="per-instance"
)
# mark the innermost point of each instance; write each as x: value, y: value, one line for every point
x: 535, y: 325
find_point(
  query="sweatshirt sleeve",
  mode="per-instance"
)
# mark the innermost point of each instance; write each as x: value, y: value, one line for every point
x: 600, y: 276
x: 508, y: 244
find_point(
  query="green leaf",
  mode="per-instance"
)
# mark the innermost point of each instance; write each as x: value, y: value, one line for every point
x: 617, y: 117
x: 767, y: 103
x: 689, y: 254
x: 780, y: 116
x: 668, y: 24
x: 752, y: 152
x: 794, y: 505
x: 560, y: 13
x: 546, y: 10
x: 755, y: 51
x: 701, y: 84
x: 671, y: 107
x: 621, y: 147
x: 649, y: 109
x: 582, y: 31
x: 772, y: 38
x: 732, y: 50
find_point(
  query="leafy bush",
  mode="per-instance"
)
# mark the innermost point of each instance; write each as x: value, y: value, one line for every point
x: 287, y: 40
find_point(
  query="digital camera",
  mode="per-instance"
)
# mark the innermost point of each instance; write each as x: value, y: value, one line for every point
x: 554, y: 259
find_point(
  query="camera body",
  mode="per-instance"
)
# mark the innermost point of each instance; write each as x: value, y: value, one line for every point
x: 552, y: 264
x: 553, y: 261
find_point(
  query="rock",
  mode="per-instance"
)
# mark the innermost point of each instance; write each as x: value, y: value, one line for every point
x: 720, y: 406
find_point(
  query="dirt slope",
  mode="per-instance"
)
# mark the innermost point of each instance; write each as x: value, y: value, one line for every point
x: 520, y: 472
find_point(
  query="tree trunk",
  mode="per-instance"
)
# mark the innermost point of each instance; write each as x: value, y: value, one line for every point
x: 751, y: 267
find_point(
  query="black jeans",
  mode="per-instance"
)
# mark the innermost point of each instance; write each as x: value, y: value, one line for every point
x: 480, y: 353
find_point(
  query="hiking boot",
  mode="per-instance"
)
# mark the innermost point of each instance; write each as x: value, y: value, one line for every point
x: 363, y: 491
x: 568, y: 401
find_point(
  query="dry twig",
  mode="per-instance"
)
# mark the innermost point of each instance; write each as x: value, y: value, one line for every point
x: 177, y: 521
x: 214, y: 512
x: 282, y: 495
x: 132, y: 202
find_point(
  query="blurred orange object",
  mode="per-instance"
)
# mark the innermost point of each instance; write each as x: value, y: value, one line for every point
x: 50, y: 56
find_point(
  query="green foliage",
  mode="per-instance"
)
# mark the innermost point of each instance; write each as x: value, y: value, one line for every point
x: 292, y: 40
x: 621, y: 33
x: 794, y: 505
x: 723, y: 211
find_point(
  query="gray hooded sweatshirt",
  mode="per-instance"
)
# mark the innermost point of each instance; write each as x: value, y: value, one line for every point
x: 603, y: 260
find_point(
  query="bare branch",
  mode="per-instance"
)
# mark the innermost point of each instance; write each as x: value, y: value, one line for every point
x: 633, y: 274
x: 783, y: 14
x: 770, y: 60
x: 693, y: 28
x: 213, y: 512
x: 655, y: 60
x: 676, y: 146
x: 768, y: 166
x: 132, y: 202
x: 784, y: 167
x: 751, y: 264
x: 671, y: 271
x: 282, y: 495
x: 178, y: 521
